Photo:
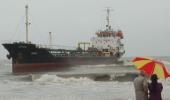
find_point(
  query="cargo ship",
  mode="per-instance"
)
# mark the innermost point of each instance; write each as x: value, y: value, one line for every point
x: 105, y: 47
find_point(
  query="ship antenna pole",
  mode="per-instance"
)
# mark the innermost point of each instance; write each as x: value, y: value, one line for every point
x: 50, y: 39
x: 26, y: 22
x: 108, y: 18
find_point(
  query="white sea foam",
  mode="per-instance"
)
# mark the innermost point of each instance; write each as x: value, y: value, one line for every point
x: 126, y: 63
x: 96, y: 66
x: 166, y: 62
x: 96, y: 91
x: 54, y: 78
x: 103, y: 65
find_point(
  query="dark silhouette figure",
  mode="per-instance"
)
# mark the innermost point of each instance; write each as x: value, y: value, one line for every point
x: 155, y: 88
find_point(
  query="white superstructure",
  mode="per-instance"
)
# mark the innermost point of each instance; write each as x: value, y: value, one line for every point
x: 108, y: 40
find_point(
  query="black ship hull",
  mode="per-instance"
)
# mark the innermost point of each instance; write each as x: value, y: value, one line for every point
x: 32, y: 58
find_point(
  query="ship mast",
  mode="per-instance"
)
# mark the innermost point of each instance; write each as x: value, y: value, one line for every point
x: 108, y: 27
x: 26, y: 23
x: 50, y: 39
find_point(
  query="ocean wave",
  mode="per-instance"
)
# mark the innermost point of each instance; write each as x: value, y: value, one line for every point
x: 166, y: 62
x: 54, y: 78
x: 124, y: 77
x: 97, y: 66
x: 128, y: 62
x: 120, y: 77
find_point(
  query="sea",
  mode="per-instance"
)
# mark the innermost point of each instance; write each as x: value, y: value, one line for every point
x: 85, y: 82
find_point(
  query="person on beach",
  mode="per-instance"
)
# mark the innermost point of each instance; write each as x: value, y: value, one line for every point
x: 155, y: 88
x: 141, y: 86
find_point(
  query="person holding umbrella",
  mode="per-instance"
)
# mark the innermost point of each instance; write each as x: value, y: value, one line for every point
x: 155, y: 88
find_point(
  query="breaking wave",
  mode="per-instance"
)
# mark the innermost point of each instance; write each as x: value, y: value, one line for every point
x: 120, y: 77
x: 166, y: 62
x: 54, y: 78
x: 98, y: 66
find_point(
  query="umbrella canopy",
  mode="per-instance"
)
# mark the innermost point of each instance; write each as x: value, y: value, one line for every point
x: 151, y: 66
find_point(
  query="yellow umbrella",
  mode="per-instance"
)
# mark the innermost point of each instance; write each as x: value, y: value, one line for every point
x: 151, y: 66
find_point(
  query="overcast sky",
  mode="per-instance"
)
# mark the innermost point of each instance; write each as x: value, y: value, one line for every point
x: 145, y: 23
